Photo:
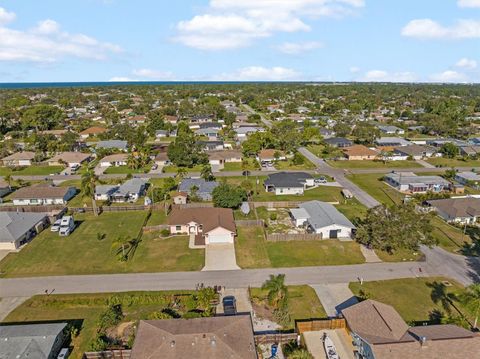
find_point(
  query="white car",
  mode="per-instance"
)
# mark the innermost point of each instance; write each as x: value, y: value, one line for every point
x: 56, y: 225
x: 320, y: 180
x: 63, y: 353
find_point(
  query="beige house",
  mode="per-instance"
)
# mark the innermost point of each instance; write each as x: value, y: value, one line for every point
x: 92, y: 131
x: 180, y: 198
x: 118, y: 159
x: 19, y: 159
x: 18, y: 228
x: 359, y: 153
x: 42, y: 195
x: 71, y: 159
x: 219, y: 158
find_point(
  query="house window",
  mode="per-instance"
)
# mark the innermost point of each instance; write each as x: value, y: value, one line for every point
x: 178, y: 228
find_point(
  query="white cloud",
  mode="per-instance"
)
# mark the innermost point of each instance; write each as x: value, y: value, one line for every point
x: 292, y: 48
x: 449, y: 76
x: 121, y: 79
x: 466, y: 63
x: 429, y: 29
x: 468, y: 3
x: 154, y: 74
x: 259, y: 73
x: 229, y: 24
x: 354, y: 69
x: 385, y: 76
x: 48, y: 43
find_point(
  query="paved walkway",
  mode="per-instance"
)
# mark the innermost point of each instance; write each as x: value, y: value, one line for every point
x: 8, y: 304
x: 220, y: 257
x: 425, y: 164
x: 369, y: 254
x: 334, y: 297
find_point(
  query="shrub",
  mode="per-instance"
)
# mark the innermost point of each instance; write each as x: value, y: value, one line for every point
x: 273, y: 216
x: 165, y: 232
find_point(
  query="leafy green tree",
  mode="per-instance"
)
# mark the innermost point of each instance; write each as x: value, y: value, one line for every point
x: 227, y: 196
x: 186, y: 152
x: 471, y: 301
x: 206, y: 173
x: 89, y: 181
x: 277, y: 291
x: 396, y: 227
x: 41, y: 117
x: 449, y: 150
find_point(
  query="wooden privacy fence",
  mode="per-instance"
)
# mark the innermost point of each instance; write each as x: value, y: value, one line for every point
x: 109, y: 354
x: 249, y: 222
x: 275, y: 204
x: 118, y: 208
x: 303, y: 326
x: 280, y: 237
x: 270, y: 338
x: 34, y: 209
x: 194, y: 205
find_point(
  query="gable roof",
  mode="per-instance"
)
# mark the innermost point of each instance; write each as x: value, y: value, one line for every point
x: 25, y: 155
x: 287, y: 179
x: 458, y: 207
x: 40, y: 191
x: 201, y: 338
x: 117, y: 157
x: 321, y: 214
x: 93, y: 130
x: 14, y: 225
x: 70, y: 157
x: 202, y: 185
x: 113, y: 144
x: 210, y: 218
x: 358, y: 150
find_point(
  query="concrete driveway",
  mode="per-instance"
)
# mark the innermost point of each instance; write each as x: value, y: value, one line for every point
x: 334, y: 297
x: 340, y: 338
x: 220, y: 256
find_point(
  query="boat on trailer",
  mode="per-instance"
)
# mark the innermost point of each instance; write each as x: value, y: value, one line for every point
x: 329, y: 347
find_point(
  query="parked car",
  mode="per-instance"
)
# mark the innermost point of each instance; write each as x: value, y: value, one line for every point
x: 67, y: 225
x: 229, y: 305
x: 63, y: 353
x: 56, y: 225
x: 320, y: 180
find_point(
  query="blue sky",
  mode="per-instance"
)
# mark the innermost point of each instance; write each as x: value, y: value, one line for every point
x: 313, y: 40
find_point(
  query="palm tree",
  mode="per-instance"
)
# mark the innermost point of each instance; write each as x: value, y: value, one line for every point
x: 471, y: 301
x: 300, y: 354
x: 9, y: 179
x: 440, y: 296
x: 277, y: 291
x: 132, y: 161
x: 181, y: 172
x: 207, y: 173
x: 89, y: 180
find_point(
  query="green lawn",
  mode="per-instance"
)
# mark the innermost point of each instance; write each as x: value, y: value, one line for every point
x: 411, y: 297
x: 157, y: 217
x: 449, y: 237
x: 453, y: 162
x: 289, y: 165
x: 352, y: 209
x: 88, y: 308
x: 303, y: 303
x: 126, y: 170
x: 378, y: 189
x: 321, y: 193
x: 174, y: 169
x: 83, y: 253
x: 253, y: 251
x: 251, y: 165
x: 400, y: 255
x: 31, y: 171
x: 373, y: 164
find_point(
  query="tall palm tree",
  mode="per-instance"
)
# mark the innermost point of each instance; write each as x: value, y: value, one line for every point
x: 207, y: 173
x: 132, y: 161
x: 277, y: 291
x: 440, y: 295
x: 471, y: 301
x: 9, y: 179
x: 181, y: 172
x: 89, y: 181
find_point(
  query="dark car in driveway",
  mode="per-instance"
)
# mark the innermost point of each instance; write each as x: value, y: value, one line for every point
x: 229, y: 305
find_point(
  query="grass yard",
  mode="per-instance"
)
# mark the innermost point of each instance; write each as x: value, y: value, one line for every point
x: 321, y: 193
x: 453, y: 162
x: 88, y: 308
x: 400, y: 255
x: 157, y: 217
x: 373, y: 185
x: 31, y: 171
x: 174, y: 169
x: 352, y: 209
x: 251, y: 165
x: 412, y: 297
x: 303, y: 303
x: 125, y: 170
x: 451, y: 238
x: 83, y: 253
x: 289, y: 165
x: 253, y: 251
x: 373, y: 164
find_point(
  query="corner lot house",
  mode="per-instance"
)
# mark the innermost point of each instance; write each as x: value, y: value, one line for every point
x: 379, y: 332
x: 410, y: 182
x: 457, y: 210
x: 17, y: 228
x: 268, y: 156
x: 417, y: 152
x: 339, y: 142
x: 118, y: 159
x: 19, y: 159
x: 322, y: 218
x: 214, y: 338
x: 359, y: 153
x: 208, y: 225
x: 42, y: 195
x: 219, y: 158
x: 72, y: 159
x: 471, y: 179
x: 113, y: 145
x: 205, y: 188
x: 283, y: 183
x: 35, y: 341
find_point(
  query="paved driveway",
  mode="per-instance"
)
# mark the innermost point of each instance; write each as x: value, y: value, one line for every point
x: 334, y: 297
x: 340, y: 338
x: 220, y: 256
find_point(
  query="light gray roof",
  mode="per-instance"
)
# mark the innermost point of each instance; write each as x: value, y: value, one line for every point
x: 33, y: 341
x: 105, y: 189
x: 299, y: 213
x: 13, y: 225
x: 469, y: 176
x: 203, y: 186
x: 246, y: 130
x: 392, y: 141
x: 406, y: 178
x: 323, y: 214
x: 133, y: 185
x: 112, y: 144
x: 206, y: 131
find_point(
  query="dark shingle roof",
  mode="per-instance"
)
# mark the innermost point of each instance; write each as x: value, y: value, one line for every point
x: 287, y: 179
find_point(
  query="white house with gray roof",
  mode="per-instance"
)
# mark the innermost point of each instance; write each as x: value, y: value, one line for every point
x: 283, y: 183
x: 204, y: 188
x: 322, y: 218
x: 17, y: 228
x: 113, y: 145
x: 410, y: 182
x: 130, y: 191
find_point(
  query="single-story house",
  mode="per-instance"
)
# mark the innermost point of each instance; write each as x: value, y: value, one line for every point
x: 4, y: 188
x: 42, y: 195
x: 115, y: 160
x: 205, y: 188
x: 35, y: 341
x: 212, y: 145
x: 327, y: 133
x: 18, y: 228
x: 201, y: 338
x: 165, y: 133
x: 457, y: 210
x: 113, y: 145
x: 339, y: 142
x: 219, y: 158
x: 105, y: 192
x: 359, y: 153
x: 471, y: 179
x: 71, y: 159
x: 283, y: 183
x: 322, y: 218
x: 379, y: 332
x: 268, y: 156
x: 410, y: 182
x: 210, y: 132
x: 440, y: 142
x: 471, y: 150
x: 208, y: 225
x: 392, y: 142
x: 161, y: 159
x: 391, y: 130
x: 92, y: 131
x: 129, y: 191
x: 179, y: 197
x: 19, y: 159
x: 55, y: 133
x: 243, y: 132
x: 417, y: 152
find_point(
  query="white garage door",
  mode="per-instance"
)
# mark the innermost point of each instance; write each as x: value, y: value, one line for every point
x: 219, y: 238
